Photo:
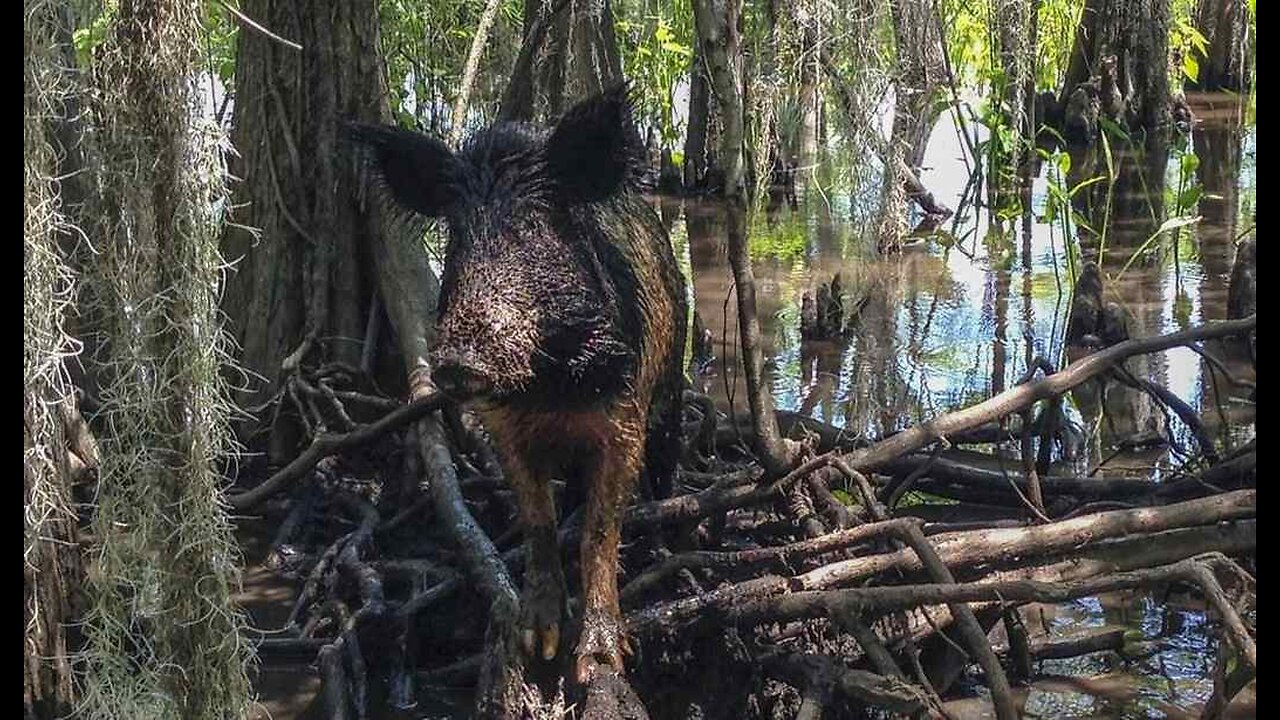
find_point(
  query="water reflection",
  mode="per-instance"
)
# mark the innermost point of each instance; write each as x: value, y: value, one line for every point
x: 944, y: 324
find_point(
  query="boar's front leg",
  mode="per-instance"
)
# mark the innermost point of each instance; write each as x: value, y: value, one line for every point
x: 542, y: 598
x: 610, y: 483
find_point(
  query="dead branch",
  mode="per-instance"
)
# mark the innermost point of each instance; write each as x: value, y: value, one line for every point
x: 961, y: 549
x: 325, y: 445
x: 1016, y: 398
x: 893, y: 694
x: 1084, y: 643
x: 967, y: 623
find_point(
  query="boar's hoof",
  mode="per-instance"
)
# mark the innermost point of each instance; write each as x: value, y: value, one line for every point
x: 542, y: 606
x: 602, y: 644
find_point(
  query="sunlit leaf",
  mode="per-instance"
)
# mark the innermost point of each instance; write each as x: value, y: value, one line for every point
x: 1084, y: 184
x: 1167, y: 225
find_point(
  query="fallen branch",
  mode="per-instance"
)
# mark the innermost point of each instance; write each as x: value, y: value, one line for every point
x: 893, y: 694
x: 961, y: 549
x: 1092, y: 641
x: 325, y: 445
x: 1021, y: 396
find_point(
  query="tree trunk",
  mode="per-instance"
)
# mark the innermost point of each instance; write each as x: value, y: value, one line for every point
x: 1229, y: 63
x: 810, y: 100
x: 720, y: 47
x: 308, y: 270
x: 698, y: 134
x: 163, y: 635
x: 920, y: 75
x: 52, y: 563
x: 570, y: 50
x: 1137, y: 33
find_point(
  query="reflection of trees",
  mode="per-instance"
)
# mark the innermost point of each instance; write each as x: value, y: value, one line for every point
x: 1137, y: 208
x: 712, y: 282
x: 1000, y: 309
x: 881, y: 399
x: 713, y: 299
x: 1136, y: 196
x: 1218, y: 145
x: 821, y: 363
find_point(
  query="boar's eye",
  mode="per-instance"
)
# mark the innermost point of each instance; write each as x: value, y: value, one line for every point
x: 418, y: 170
x: 595, y: 150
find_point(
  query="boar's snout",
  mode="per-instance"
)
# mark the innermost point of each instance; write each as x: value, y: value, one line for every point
x: 456, y: 375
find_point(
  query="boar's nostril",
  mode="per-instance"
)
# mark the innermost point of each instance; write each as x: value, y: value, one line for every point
x: 459, y: 381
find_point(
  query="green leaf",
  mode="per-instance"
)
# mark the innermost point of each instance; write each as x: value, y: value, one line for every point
x: 1170, y: 224
x: 1190, y: 66
x: 1188, y: 163
x: 1084, y: 184
x: 1064, y: 163
x: 1111, y: 127
x: 677, y: 49
x: 1189, y: 198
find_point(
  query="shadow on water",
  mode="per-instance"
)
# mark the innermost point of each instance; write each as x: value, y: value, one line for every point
x: 959, y: 316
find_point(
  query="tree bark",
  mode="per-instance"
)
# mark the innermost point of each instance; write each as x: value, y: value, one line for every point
x: 698, y: 133
x: 1229, y: 62
x: 52, y: 563
x: 163, y: 635
x: 307, y: 269
x: 570, y: 51
x: 720, y: 47
x: 1137, y: 32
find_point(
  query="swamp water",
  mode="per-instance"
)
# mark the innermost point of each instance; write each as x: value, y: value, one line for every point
x: 957, y: 317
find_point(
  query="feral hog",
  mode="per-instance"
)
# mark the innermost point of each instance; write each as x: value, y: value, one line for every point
x: 562, y: 324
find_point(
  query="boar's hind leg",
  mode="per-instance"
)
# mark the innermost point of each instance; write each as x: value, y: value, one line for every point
x: 542, y: 600
x: 610, y: 483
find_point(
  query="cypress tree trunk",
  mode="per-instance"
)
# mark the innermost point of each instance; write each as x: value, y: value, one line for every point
x: 307, y: 268
x: 1229, y: 63
x: 570, y: 51
x: 1137, y: 33
x: 52, y: 564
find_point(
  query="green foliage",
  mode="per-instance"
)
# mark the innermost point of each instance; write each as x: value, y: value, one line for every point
x: 1056, y: 29
x: 786, y: 240
x: 220, y: 31
x: 916, y: 497
x: 970, y: 40
x: 90, y: 37
x: 425, y: 46
x: 656, y: 45
x: 1186, y: 43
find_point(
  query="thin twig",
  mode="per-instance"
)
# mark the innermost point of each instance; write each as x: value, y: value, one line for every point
x: 246, y: 20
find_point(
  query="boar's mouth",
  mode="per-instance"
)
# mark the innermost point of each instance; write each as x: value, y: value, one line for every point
x: 468, y: 376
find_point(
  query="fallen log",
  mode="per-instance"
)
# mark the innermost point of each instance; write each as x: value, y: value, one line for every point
x: 968, y: 549
x: 1046, y: 648
x: 890, y: 693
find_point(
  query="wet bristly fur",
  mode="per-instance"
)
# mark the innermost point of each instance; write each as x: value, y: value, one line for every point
x: 561, y: 292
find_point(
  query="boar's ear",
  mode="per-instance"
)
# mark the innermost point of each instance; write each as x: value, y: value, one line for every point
x: 418, y: 170
x: 595, y: 149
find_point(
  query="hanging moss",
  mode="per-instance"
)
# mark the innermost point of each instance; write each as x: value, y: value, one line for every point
x: 164, y: 638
